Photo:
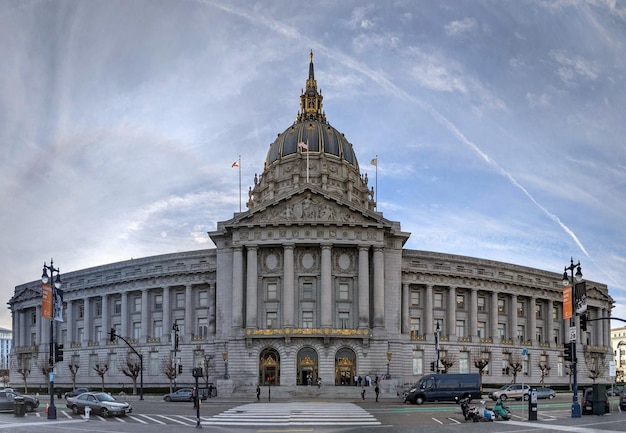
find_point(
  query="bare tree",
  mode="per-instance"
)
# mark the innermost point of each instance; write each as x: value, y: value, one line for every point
x: 516, y: 367
x: 101, y: 368
x: 43, y: 365
x: 481, y: 361
x: 447, y: 361
x: 22, y: 364
x: 596, y: 365
x: 132, y: 368
x: 73, y: 367
x: 545, y: 369
x: 169, y: 370
x: 5, y: 376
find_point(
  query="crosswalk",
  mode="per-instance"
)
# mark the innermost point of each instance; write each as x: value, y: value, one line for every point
x: 252, y: 415
x: 296, y: 413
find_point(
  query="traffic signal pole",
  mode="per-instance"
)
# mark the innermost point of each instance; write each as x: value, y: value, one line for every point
x: 113, y: 335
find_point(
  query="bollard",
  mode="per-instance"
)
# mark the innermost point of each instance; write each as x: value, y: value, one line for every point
x: 87, y: 412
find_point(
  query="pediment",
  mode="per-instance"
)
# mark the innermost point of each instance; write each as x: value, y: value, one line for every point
x: 310, y: 207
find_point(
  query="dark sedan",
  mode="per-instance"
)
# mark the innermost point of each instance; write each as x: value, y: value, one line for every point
x: 7, y: 401
x: 75, y: 392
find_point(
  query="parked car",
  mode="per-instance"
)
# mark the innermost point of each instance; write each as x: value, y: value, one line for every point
x: 622, y: 400
x: 514, y: 390
x: 183, y: 394
x: 543, y: 392
x: 445, y: 387
x: 616, y: 390
x: 587, y: 402
x: 7, y: 401
x: 100, y: 403
x: 75, y: 392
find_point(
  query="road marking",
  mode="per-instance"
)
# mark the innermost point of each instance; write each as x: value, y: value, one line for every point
x: 134, y: 418
x: 153, y: 419
x: 557, y: 427
x: 436, y: 420
x: 175, y: 420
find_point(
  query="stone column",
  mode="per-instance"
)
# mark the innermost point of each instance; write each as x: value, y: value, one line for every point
x: 494, y: 316
x: 190, y: 327
x: 364, y: 287
x: 237, y: 288
x: 428, y: 311
x: 549, y: 322
x: 39, y: 328
x: 251, y: 287
x: 167, y: 314
x: 145, y: 315
x: 69, y: 315
x: 326, y: 296
x: 451, y: 315
x: 473, y: 314
x: 106, y: 324
x: 406, y: 322
x: 212, y: 308
x: 88, y: 324
x: 532, y: 332
x: 513, y: 317
x: 288, y: 297
x: 125, y: 317
x: 379, y: 287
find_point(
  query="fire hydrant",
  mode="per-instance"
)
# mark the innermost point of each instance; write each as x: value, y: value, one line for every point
x: 87, y: 412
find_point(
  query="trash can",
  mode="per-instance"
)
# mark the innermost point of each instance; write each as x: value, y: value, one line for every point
x: 532, y: 404
x: 20, y: 407
x: 599, y: 399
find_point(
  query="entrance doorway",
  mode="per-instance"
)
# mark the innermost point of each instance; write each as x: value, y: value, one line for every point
x: 307, y: 373
x: 345, y: 366
x: 269, y: 367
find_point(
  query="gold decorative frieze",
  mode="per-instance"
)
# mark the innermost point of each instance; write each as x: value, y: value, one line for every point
x: 465, y: 339
x: 505, y: 341
x: 154, y: 340
x: 416, y: 337
x: 198, y: 338
x: 307, y: 332
x: 486, y: 340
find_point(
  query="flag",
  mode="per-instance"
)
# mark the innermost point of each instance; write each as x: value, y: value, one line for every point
x: 235, y: 164
x: 46, y: 301
x: 374, y: 162
x: 303, y: 145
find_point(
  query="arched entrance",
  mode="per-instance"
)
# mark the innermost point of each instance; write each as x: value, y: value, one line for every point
x: 307, y: 366
x: 269, y: 367
x: 345, y: 366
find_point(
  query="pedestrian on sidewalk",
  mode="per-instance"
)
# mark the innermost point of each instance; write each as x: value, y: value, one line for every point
x: 377, y: 391
x: 363, y: 393
x: 258, y: 393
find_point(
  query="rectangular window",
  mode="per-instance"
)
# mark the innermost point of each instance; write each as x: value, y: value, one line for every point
x: 272, y: 292
x: 33, y: 318
x: 307, y: 319
x: 414, y: 296
x: 157, y: 329
x: 271, y: 319
x: 481, y: 304
x: 418, y: 362
x: 80, y: 335
x: 180, y: 300
x: 181, y: 327
x: 460, y: 328
x: 555, y: 332
x: 117, y: 307
x: 203, y: 298
x: 555, y: 313
x: 438, y: 300
x: 343, y: 292
x: 502, y: 331
x: 81, y: 311
x: 539, y: 334
x: 98, y: 308
x: 307, y: 291
x: 501, y: 308
x: 344, y: 319
x: 460, y: 302
x: 538, y: 310
x: 153, y: 364
x: 482, y: 329
x: 136, y: 330
x: 158, y: 302
x: 98, y: 333
x: 203, y: 327
x: 464, y: 365
x: 521, y: 335
x: 520, y: 309
x: 137, y: 304
x: 439, y: 325
x: 415, y: 327
x: 93, y: 360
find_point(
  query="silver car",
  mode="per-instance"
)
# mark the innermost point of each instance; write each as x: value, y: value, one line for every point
x: 514, y: 390
x: 100, y: 403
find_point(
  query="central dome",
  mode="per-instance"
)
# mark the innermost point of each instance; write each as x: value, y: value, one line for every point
x: 311, y: 132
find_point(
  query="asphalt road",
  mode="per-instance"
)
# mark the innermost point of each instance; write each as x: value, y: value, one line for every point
x: 313, y: 416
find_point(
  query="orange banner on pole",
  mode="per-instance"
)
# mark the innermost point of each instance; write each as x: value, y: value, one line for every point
x: 46, y: 301
x: 567, y: 302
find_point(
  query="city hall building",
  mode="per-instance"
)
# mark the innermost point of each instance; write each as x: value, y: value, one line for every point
x: 310, y: 283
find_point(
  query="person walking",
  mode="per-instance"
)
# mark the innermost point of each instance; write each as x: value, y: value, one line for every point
x: 377, y: 391
x: 363, y: 393
x: 258, y: 393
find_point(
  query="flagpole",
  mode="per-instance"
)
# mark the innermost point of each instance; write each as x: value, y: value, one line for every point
x: 239, y: 159
x: 307, y: 161
x: 376, y: 191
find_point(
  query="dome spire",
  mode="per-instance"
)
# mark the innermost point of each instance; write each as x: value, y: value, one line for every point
x: 311, y: 99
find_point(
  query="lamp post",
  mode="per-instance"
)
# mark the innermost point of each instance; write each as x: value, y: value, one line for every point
x: 52, y: 410
x: 175, y: 329
x: 225, y: 358
x: 437, y: 331
x: 567, y: 281
x: 388, y: 359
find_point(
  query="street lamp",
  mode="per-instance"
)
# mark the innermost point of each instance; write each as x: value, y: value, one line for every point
x: 437, y: 331
x: 225, y: 358
x: 567, y: 281
x: 52, y: 410
x: 388, y: 359
x: 175, y: 329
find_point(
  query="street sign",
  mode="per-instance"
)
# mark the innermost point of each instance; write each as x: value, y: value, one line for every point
x: 612, y: 369
x: 572, y: 333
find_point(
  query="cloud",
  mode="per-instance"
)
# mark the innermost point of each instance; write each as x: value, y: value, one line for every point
x: 571, y: 67
x: 459, y: 28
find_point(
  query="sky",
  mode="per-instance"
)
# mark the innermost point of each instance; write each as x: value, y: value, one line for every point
x: 499, y: 126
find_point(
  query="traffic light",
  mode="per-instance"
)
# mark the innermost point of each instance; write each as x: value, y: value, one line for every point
x: 112, y: 335
x: 180, y: 369
x: 58, y: 352
x: 432, y: 366
x: 583, y: 322
x: 567, y: 352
